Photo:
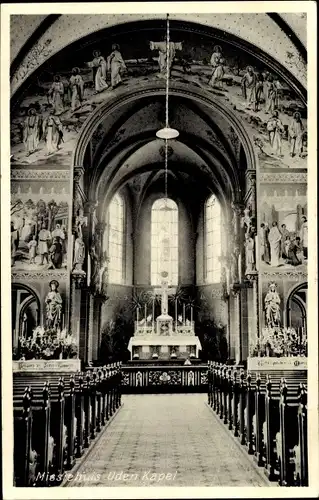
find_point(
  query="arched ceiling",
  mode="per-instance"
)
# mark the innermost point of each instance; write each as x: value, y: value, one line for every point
x: 281, y: 43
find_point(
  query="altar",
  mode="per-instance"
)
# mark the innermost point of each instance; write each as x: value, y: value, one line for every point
x: 164, y: 338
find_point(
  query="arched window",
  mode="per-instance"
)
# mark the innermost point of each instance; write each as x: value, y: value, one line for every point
x: 116, y: 239
x: 213, y: 225
x: 164, y: 242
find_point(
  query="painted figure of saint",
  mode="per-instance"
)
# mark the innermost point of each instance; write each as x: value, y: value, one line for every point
x: 56, y: 95
x: 272, y: 306
x: 274, y: 239
x: 284, y: 233
x: 304, y: 236
x: 32, y: 249
x: 99, y: 71
x: 217, y: 64
x: 53, y: 302
x: 53, y: 132
x: 275, y: 129
x: 31, y: 133
x: 248, y: 85
x: 44, y: 239
x: 271, y: 95
x: 296, y: 131
x: 162, y: 55
x: 76, y: 88
x: 14, y: 242
x: 116, y: 65
x: 264, y: 243
x: 56, y: 255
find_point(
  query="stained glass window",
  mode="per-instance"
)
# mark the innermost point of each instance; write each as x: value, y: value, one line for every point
x: 164, y: 241
x: 213, y: 227
x: 116, y: 239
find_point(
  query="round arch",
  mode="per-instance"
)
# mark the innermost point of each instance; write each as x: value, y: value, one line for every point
x: 293, y: 297
x: 158, y: 89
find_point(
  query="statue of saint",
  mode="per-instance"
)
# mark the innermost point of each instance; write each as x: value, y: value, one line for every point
x: 53, y: 302
x: 250, y: 253
x: 272, y: 306
x: 79, y: 253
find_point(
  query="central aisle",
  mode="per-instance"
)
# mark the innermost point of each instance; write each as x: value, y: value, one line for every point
x: 173, y: 435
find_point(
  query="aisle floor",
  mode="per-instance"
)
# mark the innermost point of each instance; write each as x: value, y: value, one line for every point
x: 166, y: 440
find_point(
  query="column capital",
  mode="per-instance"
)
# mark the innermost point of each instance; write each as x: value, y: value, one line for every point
x: 90, y: 206
x: 78, y: 171
x: 238, y: 208
x: 79, y: 279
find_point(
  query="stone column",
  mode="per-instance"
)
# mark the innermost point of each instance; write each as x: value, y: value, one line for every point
x: 253, y: 309
x: 77, y: 283
x: 235, y: 324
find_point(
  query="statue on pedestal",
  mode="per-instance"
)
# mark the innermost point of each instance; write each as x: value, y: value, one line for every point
x: 272, y: 307
x: 53, y: 302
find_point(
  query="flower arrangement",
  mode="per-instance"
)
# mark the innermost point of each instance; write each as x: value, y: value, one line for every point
x: 280, y: 342
x: 46, y: 344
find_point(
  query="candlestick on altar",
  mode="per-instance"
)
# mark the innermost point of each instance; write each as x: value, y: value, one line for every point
x: 184, y: 314
x: 153, y: 313
x: 191, y: 314
x: 176, y: 319
x: 145, y: 312
x: 137, y: 311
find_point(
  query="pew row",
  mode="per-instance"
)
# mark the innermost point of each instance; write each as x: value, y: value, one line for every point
x: 268, y: 416
x: 55, y: 421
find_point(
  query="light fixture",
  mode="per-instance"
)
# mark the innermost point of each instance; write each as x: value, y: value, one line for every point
x: 167, y: 133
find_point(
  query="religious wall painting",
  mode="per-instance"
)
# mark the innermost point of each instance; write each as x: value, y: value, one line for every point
x: 39, y: 232
x: 283, y: 226
x: 45, y: 123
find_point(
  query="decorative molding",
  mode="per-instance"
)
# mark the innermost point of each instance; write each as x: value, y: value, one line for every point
x: 21, y: 276
x: 290, y: 274
x: 39, y: 175
x: 37, y: 55
x: 283, y: 177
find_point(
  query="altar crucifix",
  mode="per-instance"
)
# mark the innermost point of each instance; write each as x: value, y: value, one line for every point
x: 162, y: 55
x: 164, y: 302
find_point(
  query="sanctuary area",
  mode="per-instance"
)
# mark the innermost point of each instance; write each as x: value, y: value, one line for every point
x: 159, y: 244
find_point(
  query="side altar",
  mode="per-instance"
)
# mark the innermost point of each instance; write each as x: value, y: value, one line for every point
x: 164, y: 338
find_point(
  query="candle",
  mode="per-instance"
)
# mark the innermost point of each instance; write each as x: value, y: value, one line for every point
x: 153, y: 311
x: 137, y: 311
x: 184, y: 314
x: 176, y: 314
x: 191, y: 314
x: 145, y: 312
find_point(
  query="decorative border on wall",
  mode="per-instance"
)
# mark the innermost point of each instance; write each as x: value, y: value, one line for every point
x: 18, y: 276
x: 283, y: 178
x: 39, y: 175
x: 292, y: 275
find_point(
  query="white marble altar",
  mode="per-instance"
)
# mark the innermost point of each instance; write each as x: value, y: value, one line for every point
x: 165, y: 338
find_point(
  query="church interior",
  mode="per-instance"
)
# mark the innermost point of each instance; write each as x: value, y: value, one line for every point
x: 159, y: 245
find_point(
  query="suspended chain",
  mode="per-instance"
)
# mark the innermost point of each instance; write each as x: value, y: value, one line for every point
x: 167, y: 86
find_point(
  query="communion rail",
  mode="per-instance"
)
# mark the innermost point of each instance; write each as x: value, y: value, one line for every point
x: 55, y: 421
x: 268, y: 416
x: 144, y: 379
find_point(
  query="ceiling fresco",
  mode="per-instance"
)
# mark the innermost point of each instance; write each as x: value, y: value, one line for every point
x: 46, y: 121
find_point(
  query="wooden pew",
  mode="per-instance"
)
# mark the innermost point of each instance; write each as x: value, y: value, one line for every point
x: 54, y: 422
x: 269, y: 417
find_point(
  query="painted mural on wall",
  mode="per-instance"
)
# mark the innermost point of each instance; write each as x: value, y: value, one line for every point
x: 39, y: 230
x: 283, y: 231
x: 46, y: 122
